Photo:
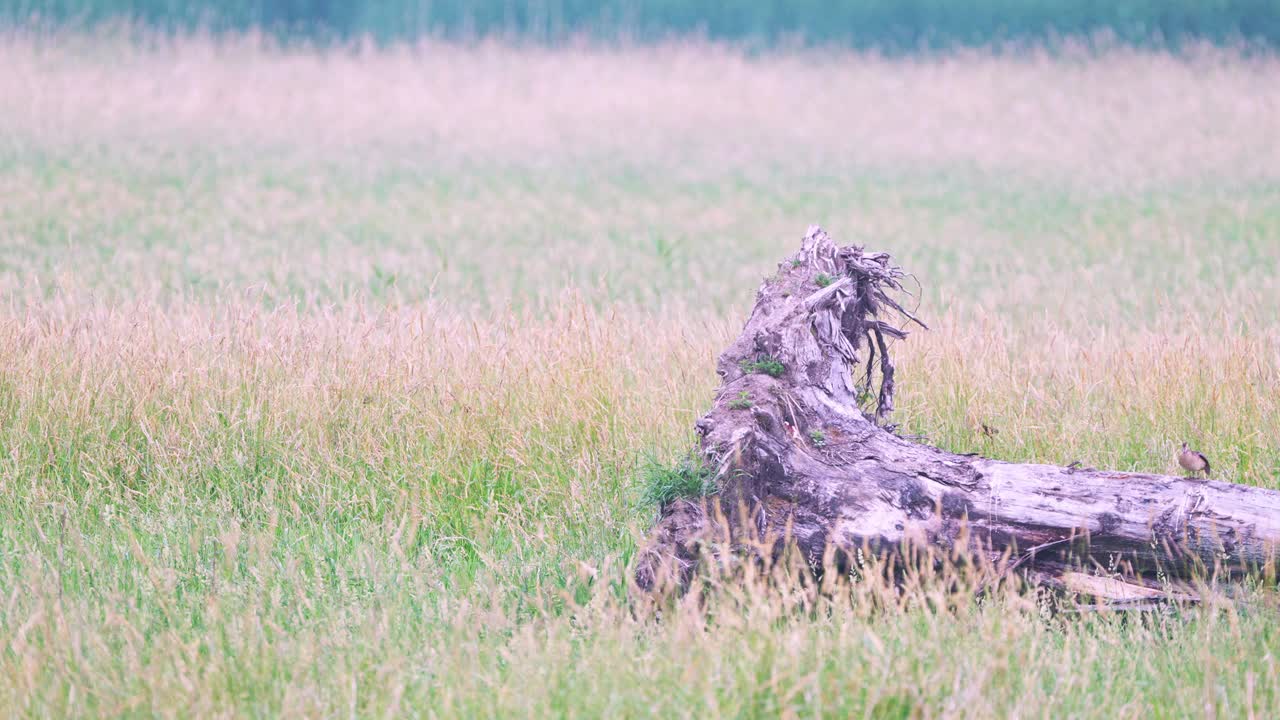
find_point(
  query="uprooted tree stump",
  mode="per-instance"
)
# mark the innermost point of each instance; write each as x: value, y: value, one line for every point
x: 799, y: 462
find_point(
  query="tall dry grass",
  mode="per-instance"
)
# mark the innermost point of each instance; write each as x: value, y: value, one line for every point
x: 219, y: 508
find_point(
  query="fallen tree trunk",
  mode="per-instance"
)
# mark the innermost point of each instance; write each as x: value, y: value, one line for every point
x: 797, y: 459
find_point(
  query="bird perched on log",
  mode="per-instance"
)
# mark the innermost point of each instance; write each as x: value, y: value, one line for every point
x: 1193, y: 461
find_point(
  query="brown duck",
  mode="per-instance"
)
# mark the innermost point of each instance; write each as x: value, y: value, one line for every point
x: 1193, y: 461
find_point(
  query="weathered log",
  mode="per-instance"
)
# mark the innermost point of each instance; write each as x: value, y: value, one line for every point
x: 797, y: 459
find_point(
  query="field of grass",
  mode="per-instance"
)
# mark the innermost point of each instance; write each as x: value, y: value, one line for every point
x: 325, y: 378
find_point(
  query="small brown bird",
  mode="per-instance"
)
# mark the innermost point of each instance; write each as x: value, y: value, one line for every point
x: 1193, y: 461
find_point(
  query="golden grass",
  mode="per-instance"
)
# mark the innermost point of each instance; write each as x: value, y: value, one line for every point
x: 219, y: 507
x: 324, y: 377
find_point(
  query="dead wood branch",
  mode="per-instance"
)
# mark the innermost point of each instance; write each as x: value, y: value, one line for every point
x: 807, y: 464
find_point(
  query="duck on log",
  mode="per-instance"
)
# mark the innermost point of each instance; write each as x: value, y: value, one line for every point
x: 811, y: 461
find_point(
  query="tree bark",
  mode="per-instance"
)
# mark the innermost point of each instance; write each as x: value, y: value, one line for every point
x: 798, y: 459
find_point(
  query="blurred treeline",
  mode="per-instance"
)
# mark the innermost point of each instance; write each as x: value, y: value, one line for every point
x: 884, y: 24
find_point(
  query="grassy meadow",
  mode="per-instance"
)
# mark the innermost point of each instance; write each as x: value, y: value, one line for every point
x: 326, y: 378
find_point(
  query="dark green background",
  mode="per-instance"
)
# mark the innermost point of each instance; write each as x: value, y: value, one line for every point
x: 886, y: 24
